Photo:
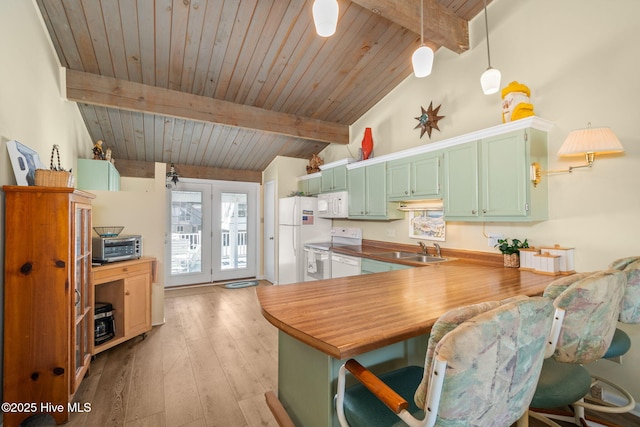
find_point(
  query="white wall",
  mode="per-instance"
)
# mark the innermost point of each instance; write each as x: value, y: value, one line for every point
x: 31, y: 108
x: 580, y: 60
x: 141, y: 207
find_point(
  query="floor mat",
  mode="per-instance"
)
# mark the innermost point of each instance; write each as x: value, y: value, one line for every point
x: 242, y: 284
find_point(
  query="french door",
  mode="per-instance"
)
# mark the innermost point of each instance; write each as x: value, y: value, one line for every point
x: 212, y: 231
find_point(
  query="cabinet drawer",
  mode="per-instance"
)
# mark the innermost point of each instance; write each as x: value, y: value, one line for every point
x: 107, y: 273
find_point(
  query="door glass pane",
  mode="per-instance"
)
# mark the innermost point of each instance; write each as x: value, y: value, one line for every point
x: 186, y: 232
x: 233, y: 214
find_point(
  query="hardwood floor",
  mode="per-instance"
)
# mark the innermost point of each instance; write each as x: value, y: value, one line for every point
x: 208, y: 365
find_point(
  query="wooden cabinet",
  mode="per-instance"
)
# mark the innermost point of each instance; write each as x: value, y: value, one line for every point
x: 367, y: 194
x: 334, y: 179
x: 48, y: 323
x: 310, y: 185
x: 489, y: 179
x: 126, y: 285
x: 415, y: 178
x: 97, y: 175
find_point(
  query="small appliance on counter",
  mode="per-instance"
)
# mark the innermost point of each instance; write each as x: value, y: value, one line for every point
x: 105, y: 326
x: 111, y: 247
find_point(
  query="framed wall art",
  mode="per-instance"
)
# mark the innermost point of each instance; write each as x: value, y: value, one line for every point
x: 427, y: 224
x: 24, y: 161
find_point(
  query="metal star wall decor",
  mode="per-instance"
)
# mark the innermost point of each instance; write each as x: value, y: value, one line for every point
x: 428, y: 120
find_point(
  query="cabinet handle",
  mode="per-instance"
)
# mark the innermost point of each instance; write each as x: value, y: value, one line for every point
x: 126, y: 293
x: 484, y: 211
x: 406, y: 192
x: 413, y: 191
x: 473, y: 211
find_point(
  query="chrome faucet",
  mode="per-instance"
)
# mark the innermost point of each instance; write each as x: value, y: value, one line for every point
x: 424, y: 247
x: 438, y: 254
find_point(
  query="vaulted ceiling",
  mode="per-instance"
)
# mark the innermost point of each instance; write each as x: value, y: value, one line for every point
x: 227, y: 85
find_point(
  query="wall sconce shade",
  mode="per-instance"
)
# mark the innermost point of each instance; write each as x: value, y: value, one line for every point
x: 590, y: 140
x: 583, y: 142
x: 325, y: 17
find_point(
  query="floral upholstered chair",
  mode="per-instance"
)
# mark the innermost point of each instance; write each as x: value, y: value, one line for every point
x: 481, y: 369
x: 587, y: 308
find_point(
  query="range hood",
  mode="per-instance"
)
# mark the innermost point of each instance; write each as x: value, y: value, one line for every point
x: 421, y: 205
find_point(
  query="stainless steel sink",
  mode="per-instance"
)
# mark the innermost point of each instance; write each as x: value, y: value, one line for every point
x: 398, y: 254
x: 411, y: 256
x: 424, y: 258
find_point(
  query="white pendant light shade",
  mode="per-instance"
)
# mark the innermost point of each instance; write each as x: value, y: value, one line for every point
x: 325, y: 17
x: 490, y: 81
x: 422, y: 60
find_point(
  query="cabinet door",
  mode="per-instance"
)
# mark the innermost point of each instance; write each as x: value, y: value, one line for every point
x: 375, y: 194
x: 313, y: 186
x: 504, y: 175
x: 82, y: 328
x: 461, y: 181
x: 356, y: 192
x: 425, y: 176
x: 398, y: 181
x: 137, y: 304
x: 339, y: 178
x: 326, y: 180
x: 303, y: 186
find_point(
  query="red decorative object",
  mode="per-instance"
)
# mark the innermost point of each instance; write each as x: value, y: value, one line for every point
x: 367, y: 144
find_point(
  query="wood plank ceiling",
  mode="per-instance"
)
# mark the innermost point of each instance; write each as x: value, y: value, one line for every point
x: 228, y: 85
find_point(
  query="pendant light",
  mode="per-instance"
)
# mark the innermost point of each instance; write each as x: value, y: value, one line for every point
x: 490, y: 79
x: 422, y: 58
x: 325, y: 17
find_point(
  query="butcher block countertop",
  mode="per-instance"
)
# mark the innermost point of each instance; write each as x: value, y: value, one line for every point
x: 349, y: 316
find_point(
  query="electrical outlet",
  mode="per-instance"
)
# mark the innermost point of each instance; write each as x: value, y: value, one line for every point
x: 493, y: 239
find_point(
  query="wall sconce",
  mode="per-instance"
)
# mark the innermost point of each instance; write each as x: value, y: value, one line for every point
x: 583, y: 142
x: 325, y: 17
x: 172, y: 176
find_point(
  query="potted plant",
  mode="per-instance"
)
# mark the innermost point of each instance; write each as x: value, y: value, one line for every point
x: 511, y: 251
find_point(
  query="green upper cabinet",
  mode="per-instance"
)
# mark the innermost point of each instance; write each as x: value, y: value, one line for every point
x: 309, y: 185
x: 415, y: 178
x: 97, y: 175
x: 489, y: 179
x: 461, y: 181
x: 334, y: 179
x: 367, y: 194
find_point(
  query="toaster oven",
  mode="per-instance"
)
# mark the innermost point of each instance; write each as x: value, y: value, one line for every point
x: 119, y: 248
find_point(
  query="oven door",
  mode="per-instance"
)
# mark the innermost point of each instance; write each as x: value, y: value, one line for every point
x: 317, y: 264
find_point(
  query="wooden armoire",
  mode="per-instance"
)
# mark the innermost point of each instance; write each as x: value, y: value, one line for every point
x: 48, y: 299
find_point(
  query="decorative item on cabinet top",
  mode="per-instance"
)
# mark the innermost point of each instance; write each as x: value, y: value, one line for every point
x: 55, y: 176
x: 428, y: 120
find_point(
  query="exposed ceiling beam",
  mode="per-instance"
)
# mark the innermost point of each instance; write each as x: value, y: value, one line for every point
x: 122, y: 94
x: 441, y: 26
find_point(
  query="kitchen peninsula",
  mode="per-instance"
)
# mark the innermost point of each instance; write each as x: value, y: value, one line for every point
x: 383, y: 320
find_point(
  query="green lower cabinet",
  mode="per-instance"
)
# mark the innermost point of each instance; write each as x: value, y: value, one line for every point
x: 489, y: 180
x: 368, y: 196
x: 370, y: 266
x: 97, y: 175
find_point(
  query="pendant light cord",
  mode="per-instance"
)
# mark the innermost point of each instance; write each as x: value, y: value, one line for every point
x: 422, y: 22
x: 486, y: 27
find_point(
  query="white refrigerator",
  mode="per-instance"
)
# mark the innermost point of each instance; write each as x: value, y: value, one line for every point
x: 298, y: 224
